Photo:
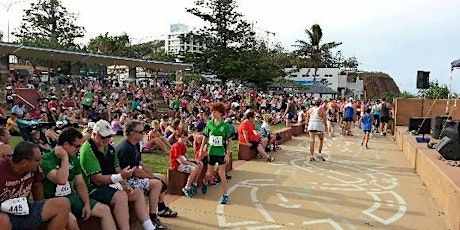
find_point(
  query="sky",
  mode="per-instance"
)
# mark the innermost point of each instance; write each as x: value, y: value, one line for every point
x: 397, y: 37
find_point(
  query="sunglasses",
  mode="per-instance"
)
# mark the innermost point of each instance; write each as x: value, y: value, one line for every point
x: 106, y: 137
x: 76, y: 146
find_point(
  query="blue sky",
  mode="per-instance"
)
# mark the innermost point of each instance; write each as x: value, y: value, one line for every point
x: 395, y: 37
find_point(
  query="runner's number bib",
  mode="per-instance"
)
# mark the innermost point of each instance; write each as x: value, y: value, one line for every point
x: 16, y: 206
x: 63, y: 190
x: 215, y: 140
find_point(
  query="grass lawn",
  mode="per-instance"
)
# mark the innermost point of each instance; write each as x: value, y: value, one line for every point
x: 159, y: 162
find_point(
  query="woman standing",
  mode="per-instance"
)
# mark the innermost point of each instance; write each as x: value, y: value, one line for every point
x: 316, y: 121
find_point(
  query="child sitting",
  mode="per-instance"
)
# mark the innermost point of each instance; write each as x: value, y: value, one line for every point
x: 178, y: 161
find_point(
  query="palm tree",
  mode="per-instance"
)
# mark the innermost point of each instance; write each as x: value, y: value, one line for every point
x: 313, y: 50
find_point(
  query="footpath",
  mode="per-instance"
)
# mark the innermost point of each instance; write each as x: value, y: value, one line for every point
x: 356, y: 188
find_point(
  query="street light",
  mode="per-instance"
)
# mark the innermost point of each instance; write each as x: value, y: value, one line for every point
x: 7, y: 7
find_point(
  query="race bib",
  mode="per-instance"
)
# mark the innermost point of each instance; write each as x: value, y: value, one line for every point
x: 16, y: 206
x: 63, y: 190
x: 116, y: 186
x: 215, y: 140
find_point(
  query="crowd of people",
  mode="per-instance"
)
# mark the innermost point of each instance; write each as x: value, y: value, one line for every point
x: 83, y: 173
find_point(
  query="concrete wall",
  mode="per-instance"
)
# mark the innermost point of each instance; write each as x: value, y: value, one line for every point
x: 442, y: 180
x: 405, y: 108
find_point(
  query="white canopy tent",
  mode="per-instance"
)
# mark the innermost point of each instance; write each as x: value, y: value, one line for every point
x: 453, y: 65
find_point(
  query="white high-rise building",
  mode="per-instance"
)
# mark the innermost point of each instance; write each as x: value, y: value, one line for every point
x: 174, y: 43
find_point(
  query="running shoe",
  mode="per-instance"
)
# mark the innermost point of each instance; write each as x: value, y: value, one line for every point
x: 224, y: 199
x: 187, y: 191
x: 204, y: 188
x: 270, y: 159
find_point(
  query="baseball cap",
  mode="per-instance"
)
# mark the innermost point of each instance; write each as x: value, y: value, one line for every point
x: 59, y: 123
x: 103, y: 128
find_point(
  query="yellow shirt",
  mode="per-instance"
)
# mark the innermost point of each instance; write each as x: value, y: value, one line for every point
x: 10, y: 123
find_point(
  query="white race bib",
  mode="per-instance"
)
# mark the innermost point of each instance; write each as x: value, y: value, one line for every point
x: 215, y: 140
x: 116, y: 186
x: 63, y: 190
x: 16, y: 206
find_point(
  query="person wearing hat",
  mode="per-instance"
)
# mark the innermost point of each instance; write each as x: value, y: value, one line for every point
x: 106, y: 181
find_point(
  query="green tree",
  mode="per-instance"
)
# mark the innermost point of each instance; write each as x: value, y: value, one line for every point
x: 318, y: 55
x: 227, y: 39
x: 48, y: 24
x: 110, y: 45
x: 435, y: 91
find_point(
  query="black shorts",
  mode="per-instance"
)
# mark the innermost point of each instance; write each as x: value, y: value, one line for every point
x: 213, y: 159
x: 103, y: 194
x: 384, y: 119
x: 348, y: 119
x: 253, y: 145
x: 367, y: 131
x: 33, y: 220
x: 205, y: 160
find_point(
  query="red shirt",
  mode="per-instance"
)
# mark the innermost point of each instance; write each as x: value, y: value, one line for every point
x: 251, y: 128
x: 13, y: 185
x: 177, y: 149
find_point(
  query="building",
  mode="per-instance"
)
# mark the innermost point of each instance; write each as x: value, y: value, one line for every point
x: 345, y: 83
x: 174, y: 43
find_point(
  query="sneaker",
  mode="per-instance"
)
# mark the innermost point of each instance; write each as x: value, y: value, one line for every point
x: 187, y: 191
x: 270, y: 159
x: 321, y: 157
x: 204, y: 188
x: 214, y: 182
x: 267, y: 150
x: 224, y: 199
x: 194, y: 189
x: 167, y: 212
x: 312, y: 158
x: 157, y: 223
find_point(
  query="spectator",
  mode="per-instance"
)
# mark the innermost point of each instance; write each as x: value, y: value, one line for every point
x: 35, y: 138
x: 5, y: 149
x: 19, y: 109
x: 152, y: 184
x: 12, y: 125
x: 62, y: 168
x: 107, y: 181
x: 24, y: 179
x: 248, y: 135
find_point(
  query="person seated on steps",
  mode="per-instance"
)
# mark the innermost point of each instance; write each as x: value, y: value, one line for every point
x: 247, y: 134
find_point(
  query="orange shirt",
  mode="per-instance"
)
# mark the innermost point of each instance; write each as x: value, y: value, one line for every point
x: 252, y: 133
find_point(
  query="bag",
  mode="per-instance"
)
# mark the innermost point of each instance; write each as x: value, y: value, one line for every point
x: 278, y: 136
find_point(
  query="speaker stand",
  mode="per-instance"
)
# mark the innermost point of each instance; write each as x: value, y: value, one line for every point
x: 423, y: 139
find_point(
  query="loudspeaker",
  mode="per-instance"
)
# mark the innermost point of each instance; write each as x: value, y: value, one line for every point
x: 449, y: 149
x: 423, y: 79
x: 421, y: 125
x: 437, y: 124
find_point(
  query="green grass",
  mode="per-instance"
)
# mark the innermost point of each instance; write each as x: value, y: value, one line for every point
x: 158, y: 162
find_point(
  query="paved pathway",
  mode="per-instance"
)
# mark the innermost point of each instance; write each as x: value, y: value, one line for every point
x: 356, y: 188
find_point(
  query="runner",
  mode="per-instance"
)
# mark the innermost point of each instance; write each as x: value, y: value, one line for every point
x: 316, y: 121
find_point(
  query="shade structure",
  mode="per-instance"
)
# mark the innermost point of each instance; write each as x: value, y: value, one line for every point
x: 455, y: 64
x: 89, y: 58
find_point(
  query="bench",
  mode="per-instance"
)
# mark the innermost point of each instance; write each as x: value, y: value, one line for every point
x: 245, y: 153
x: 286, y: 134
x: 297, y: 129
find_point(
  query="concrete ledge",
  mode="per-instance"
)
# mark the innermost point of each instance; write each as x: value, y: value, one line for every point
x: 245, y: 153
x: 286, y: 134
x: 176, y: 181
x: 442, y: 180
x: 297, y: 129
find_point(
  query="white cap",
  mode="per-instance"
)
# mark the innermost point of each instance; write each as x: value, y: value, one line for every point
x: 9, y: 87
x: 59, y: 123
x: 91, y: 124
x: 104, y: 128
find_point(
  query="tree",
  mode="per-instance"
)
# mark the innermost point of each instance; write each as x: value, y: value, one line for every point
x: 435, y: 91
x: 110, y: 45
x: 318, y: 55
x: 48, y: 24
x: 227, y: 39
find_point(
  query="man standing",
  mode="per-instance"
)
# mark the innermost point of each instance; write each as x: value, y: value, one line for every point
x: 62, y: 169
x: 384, y: 116
x: 20, y: 176
x: 106, y: 181
x: 129, y: 155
